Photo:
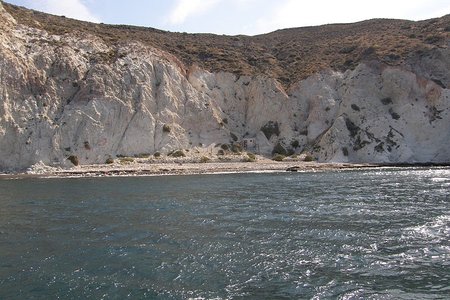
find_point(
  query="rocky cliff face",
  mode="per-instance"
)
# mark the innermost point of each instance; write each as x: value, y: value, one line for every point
x: 75, y: 95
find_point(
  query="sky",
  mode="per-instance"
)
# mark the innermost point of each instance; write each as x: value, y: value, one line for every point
x: 233, y: 17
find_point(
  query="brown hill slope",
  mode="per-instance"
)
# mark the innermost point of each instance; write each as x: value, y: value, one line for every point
x: 287, y: 55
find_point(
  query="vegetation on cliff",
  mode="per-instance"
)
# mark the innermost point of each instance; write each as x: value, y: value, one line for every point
x: 288, y: 55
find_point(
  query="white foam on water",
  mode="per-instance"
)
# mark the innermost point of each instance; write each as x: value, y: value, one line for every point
x: 437, y: 230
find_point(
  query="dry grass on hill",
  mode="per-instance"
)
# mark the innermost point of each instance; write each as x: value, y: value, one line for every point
x: 288, y: 55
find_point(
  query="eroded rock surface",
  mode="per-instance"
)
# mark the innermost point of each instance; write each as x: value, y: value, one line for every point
x: 74, y: 95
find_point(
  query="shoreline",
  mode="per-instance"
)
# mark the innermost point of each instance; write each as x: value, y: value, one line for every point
x: 198, y: 168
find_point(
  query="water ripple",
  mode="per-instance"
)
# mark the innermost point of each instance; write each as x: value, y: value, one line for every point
x: 371, y: 234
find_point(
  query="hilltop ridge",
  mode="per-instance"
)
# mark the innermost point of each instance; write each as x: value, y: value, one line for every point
x: 289, y: 55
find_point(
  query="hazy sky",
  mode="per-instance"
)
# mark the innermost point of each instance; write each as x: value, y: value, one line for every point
x: 237, y: 16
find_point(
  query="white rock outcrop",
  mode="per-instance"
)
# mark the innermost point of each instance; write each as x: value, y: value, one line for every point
x: 72, y: 95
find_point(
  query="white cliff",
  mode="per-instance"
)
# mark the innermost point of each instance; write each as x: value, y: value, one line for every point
x: 74, y: 95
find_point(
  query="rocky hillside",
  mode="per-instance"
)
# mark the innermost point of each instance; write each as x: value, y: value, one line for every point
x: 374, y: 91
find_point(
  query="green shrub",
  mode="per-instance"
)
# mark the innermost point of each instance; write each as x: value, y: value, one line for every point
x: 355, y: 107
x: 386, y: 101
x: 225, y: 147
x: 279, y: 149
x: 249, y: 158
x: 143, y: 155
x: 109, y: 161
x: 177, y: 153
x: 433, y: 39
x: 126, y: 160
x: 309, y: 157
x: 236, y: 148
x: 74, y: 160
x: 278, y: 157
x: 347, y: 49
x: 166, y: 128
x: 157, y: 154
x: 204, y: 159
x: 295, y: 144
x: 220, y: 152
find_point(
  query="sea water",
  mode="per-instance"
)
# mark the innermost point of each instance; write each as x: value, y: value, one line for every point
x: 361, y: 234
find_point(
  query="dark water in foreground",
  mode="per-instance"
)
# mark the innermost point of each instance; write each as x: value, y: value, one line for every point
x: 371, y: 234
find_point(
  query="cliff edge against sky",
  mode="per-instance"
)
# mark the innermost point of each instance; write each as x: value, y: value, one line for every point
x: 374, y: 91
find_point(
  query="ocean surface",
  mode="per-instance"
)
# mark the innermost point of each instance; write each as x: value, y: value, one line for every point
x: 360, y: 234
